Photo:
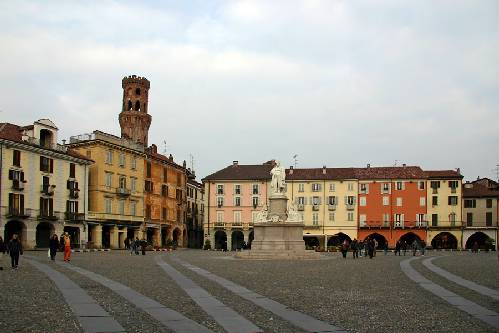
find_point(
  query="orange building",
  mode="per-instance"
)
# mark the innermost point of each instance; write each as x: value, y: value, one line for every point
x: 164, y: 199
x: 392, y: 204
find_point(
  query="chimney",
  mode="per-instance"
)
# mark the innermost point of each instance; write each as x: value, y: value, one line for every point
x: 235, y: 163
x: 458, y: 170
x: 323, y: 169
x: 291, y: 170
x: 63, y: 142
x: 368, y: 165
x: 403, y: 165
x: 184, y: 164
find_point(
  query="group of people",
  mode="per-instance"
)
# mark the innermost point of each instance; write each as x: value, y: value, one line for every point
x: 62, y: 244
x: 14, y: 248
x: 360, y: 248
x: 134, y: 244
x: 402, y: 246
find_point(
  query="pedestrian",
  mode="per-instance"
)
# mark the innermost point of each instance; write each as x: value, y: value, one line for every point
x: 344, y: 248
x: 3, y: 248
x: 355, y: 248
x: 127, y: 243
x: 15, y: 249
x: 61, y: 243
x: 397, y: 247
x: 360, y: 247
x: 423, y: 248
x: 475, y: 247
x: 143, y: 245
x: 366, y: 247
x: 67, y: 247
x: 371, y: 248
x: 404, y: 247
x: 385, y: 248
x: 137, y: 245
x: 375, y: 246
x: 132, y: 246
x: 54, y: 245
x: 415, y: 246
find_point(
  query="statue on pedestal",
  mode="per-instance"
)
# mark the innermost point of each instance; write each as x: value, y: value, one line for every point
x: 262, y: 215
x: 278, y: 175
x: 293, y: 214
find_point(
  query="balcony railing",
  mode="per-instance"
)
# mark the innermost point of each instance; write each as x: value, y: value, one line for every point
x: 48, y: 189
x: 237, y: 224
x: 301, y: 207
x: 315, y: 207
x: 219, y: 224
x: 71, y: 216
x: 350, y: 206
x: 331, y: 207
x: 453, y: 190
x: 48, y: 216
x: 122, y: 191
x: 434, y: 190
x: 74, y: 194
x: 49, y: 145
x: 17, y: 212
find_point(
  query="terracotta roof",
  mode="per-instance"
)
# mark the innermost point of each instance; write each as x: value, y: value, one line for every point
x: 318, y: 174
x: 403, y: 172
x: 443, y: 174
x: 242, y: 172
x: 14, y: 133
x: 477, y: 190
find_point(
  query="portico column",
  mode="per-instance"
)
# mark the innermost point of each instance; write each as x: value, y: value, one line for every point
x: 229, y: 239
x: 97, y: 236
x: 30, y: 241
x: 114, y: 237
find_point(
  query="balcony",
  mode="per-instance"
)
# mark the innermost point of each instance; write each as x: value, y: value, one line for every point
x: 18, y: 185
x: 350, y: 206
x: 399, y: 224
x: 71, y: 216
x: 421, y: 224
x: 434, y: 190
x: 124, y: 192
x: 49, y: 145
x: 315, y: 207
x: 237, y: 224
x: 301, y: 207
x: 48, y: 190
x: 453, y: 190
x: 47, y: 216
x: 374, y: 224
x: 16, y: 212
x: 219, y: 224
x: 331, y: 207
x: 74, y: 194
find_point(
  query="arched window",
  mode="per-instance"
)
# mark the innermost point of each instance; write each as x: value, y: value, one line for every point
x: 137, y: 106
x: 129, y: 105
x: 137, y: 91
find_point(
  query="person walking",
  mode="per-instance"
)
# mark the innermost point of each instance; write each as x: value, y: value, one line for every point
x: 143, y: 245
x: 54, y: 245
x: 404, y: 247
x: 397, y: 247
x: 385, y: 248
x: 360, y: 246
x: 3, y: 248
x: 366, y: 247
x: 137, y: 245
x: 475, y: 247
x: 127, y: 243
x: 67, y: 247
x: 423, y: 247
x: 371, y: 248
x: 15, y: 249
x: 132, y: 246
x: 415, y: 246
x: 344, y: 248
x: 375, y: 246
x: 355, y: 248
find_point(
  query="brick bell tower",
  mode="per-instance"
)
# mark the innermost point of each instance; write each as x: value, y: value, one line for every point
x: 134, y: 119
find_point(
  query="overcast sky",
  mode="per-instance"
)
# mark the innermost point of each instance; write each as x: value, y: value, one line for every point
x: 339, y: 83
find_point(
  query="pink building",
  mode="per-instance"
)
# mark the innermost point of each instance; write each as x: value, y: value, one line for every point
x: 234, y: 196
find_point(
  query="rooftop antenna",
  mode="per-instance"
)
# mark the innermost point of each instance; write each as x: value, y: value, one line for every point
x: 295, y: 159
x: 164, y: 146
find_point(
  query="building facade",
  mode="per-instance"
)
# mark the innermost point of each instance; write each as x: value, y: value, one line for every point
x: 43, y: 185
x: 480, y: 213
x: 115, y: 188
x: 195, y: 212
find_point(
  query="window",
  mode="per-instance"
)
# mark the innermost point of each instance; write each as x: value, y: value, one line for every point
x: 421, y: 185
x: 256, y: 189
x: 220, y: 201
x: 72, y: 207
x: 350, y: 216
x: 452, y: 219
x: 46, y: 207
x: 469, y: 203
x: 109, y: 157
x: 434, y: 200
x: 108, y: 204
x: 363, y: 201
x: 122, y: 160
x: 17, y: 177
x: 46, y: 164
x: 89, y: 153
x: 16, y: 158
x: 399, y: 202
x: 237, y: 201
x: 133, y: 208
x: 122, y: 182
x: 237, y: 216
x: 332, y: 187
x: 179, y: 179
x: 453, y: 184
x: 164, y: 213
x: 434, y: 220
x: 315, y: 218
x: 121, y: 206
x: 434, y: 184
x: 469, y: 219
x: 254, y: 216
x: 420, y: 219
x: 148, y: 212
x: 350, y: 200
x: 350, y: 186
x: 16, y: 204
x: 316, y: 201
x: 331, y: 216
x: 488, y: 219
x: 364, y: 188
x: 133, y: 163
x: 489, y: 203
x: 237, y: 189
x: 385, y: 188
x: 422, y: 201
x: 165, y: 175
x: 133, y: 184
x: 362, y: 220
x: 109, y: 179
x: 220, y: 189
x: 399, y: 220
x: 332, y: 200
x: 148, y: 170
x: 400, y: 186
x: 148, y: 186
x: 301, y: 200
x: 452, y: 200
x: 386, y: 201
x: 164, y: 190
x: 72, y: 170
x: 220, y: 217
x: 386, y: 220
x: 316, y: 187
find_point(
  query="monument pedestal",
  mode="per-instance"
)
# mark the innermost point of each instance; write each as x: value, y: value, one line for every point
x: 278, y: 238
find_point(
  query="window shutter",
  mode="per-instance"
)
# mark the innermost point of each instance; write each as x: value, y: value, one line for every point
x: 346, y: 200
x: 21, y: 202
x: 11, y: 199
x: 449, y: 200
x: 367, y: 188
x: 76, y: 207
x: 68, y: 185
x: 67, y: 206
x: 51, y: 206
x: 320, y: 201
x: 11, y: 174
x: 389, y: 188
x: 403, y: 185
x: 76, y: 185
x: 354, y: 200
x: 41, y: 163
x: 51, y: 166
x: 41, y: 205
x: 401, y: 218
x: 22, y: 176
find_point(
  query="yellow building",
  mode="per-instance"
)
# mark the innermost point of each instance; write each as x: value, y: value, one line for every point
x: 43, y: 185
x: 327, y: 197
x: 115, y: 190
x: 444, y: 198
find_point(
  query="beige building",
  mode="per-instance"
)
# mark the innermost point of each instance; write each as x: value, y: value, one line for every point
x: 480, y: 213
x: 43, y: 185
x: 444, y: 202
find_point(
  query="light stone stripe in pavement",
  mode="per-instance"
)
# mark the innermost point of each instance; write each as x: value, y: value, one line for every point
x: 229, y: 319
x: 477, y: 311
x: 92, y: 317
x: 296, y: 318
x: 166, y: 316
x: 459, y: 280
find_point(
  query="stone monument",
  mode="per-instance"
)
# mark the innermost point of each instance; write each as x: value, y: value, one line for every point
x: 278, y: 229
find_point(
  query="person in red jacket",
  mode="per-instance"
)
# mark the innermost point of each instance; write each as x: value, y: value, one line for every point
x: 67, y: 247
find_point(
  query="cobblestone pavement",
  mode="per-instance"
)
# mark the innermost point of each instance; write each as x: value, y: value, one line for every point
x: 359, y: 296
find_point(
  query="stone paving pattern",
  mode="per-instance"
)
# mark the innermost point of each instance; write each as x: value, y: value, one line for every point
x: 359, y: 296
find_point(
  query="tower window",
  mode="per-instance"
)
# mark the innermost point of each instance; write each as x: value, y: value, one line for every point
x: 137, y: 91
x: 129, y: 105
x: 137, y: 106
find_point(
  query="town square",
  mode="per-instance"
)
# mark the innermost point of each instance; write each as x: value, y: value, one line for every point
x: 249, y: 166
